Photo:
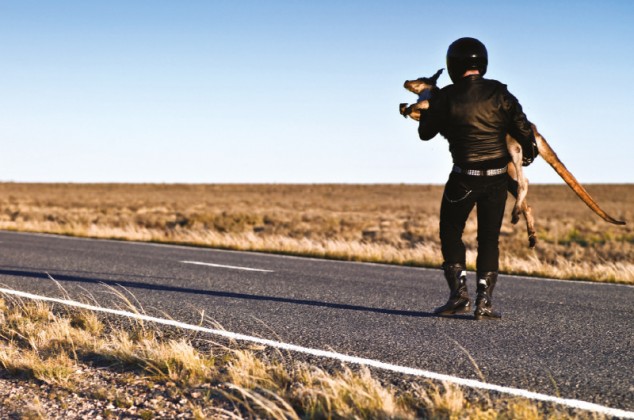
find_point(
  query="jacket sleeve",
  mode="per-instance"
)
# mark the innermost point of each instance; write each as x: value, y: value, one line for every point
x: 520, y: 128
x: 431, y: 120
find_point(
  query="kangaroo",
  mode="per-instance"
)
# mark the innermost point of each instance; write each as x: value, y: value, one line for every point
x: 425, y: 87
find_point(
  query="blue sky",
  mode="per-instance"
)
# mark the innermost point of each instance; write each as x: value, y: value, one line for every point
x: 295, y: 91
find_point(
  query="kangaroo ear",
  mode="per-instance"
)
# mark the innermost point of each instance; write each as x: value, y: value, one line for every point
x: 435, y: 77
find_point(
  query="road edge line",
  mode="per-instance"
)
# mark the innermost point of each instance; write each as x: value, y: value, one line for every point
x: 470, y: 383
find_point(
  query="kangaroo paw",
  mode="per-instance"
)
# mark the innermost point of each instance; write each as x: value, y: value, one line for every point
x: 532, y: 240
x: 401, y: 109
x: 515, y: 216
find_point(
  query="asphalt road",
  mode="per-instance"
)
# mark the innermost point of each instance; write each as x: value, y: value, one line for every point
x: 569, y: 339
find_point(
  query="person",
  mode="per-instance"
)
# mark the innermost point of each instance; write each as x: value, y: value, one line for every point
x: 474, y: 114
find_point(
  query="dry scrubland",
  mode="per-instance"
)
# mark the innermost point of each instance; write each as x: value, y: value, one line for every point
x: 61, y: 363
x: 379, y: 223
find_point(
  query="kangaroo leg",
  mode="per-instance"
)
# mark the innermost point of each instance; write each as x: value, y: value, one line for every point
x: 518, y: 174
x: 413, y: 110
x: 517, y: 189
x: 530, y: 225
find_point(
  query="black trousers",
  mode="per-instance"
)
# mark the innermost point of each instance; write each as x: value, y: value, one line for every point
x: 462, y: 193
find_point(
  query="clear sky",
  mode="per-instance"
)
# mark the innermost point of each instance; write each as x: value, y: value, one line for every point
x: 296, y: 91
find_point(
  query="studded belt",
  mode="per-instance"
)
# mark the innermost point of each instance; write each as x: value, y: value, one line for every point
x: 479, y: 172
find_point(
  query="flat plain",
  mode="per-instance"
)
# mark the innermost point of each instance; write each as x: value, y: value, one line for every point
x: 396, y: 224
x: 53, y: 358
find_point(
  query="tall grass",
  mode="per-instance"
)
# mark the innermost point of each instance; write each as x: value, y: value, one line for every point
x: 395, y: 224
x: 59, y: 346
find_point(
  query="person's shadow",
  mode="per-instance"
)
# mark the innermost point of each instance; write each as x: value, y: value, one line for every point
x: 44, y: 275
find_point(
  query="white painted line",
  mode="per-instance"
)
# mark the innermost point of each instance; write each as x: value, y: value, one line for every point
x: 470, y: 383
x: 233, y: 267
x: 297, y: 257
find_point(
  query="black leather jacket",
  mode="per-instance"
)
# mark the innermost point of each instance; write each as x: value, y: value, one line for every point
x: 474, y: 115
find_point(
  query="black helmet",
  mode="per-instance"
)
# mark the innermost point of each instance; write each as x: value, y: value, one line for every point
x: 465, y: 54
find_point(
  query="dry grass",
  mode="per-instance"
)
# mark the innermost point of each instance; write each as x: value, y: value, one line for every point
x: 58, y: 347
x: 380, y: 223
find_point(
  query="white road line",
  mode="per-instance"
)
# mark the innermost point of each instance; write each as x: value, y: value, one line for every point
x: 583, y: 405
x: 233, y: 267
x: 297, y: 257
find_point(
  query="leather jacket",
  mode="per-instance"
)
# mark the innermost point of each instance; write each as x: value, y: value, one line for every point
x: 474, y: 115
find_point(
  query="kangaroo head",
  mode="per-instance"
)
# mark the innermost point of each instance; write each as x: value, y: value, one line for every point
x: 422, y: 84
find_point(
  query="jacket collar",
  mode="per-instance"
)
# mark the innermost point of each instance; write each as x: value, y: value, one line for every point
x: 471, y: 77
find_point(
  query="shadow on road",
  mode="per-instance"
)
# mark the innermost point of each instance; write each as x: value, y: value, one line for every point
x: 214, y: 293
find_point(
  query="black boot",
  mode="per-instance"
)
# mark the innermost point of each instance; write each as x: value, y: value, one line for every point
x: 458, y: 302
x: 486, y: 283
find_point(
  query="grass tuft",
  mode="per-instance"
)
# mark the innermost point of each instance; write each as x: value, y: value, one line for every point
x: 58, y: 348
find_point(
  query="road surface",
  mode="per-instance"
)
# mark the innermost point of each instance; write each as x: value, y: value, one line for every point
x: 569, y: 339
